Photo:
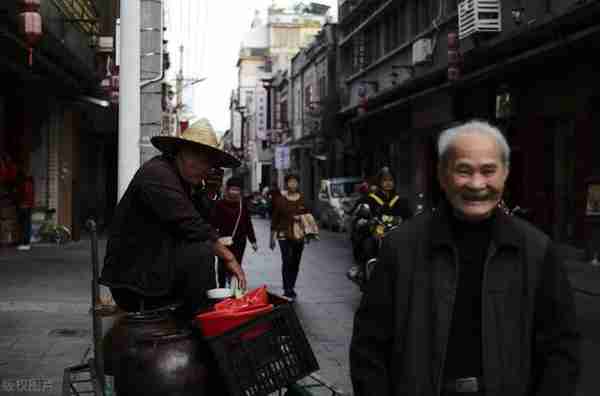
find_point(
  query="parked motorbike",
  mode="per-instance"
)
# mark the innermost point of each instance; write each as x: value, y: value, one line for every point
x: 368, y: 232
x: 259, y: 205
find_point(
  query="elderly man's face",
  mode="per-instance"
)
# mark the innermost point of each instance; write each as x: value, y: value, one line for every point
x: 193, y: 166
x: 474, y: 176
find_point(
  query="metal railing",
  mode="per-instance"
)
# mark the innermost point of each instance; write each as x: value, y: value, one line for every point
x: 82, y: 13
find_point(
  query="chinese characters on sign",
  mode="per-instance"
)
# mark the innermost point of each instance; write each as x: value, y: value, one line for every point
x: 261, y: 118
x: 282, y: 157
x: 15, y: 385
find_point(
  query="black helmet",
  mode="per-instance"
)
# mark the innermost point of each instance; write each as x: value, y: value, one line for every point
x: 385, y: 171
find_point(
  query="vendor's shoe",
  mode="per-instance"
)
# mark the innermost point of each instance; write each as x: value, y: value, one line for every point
x: 24, y: 247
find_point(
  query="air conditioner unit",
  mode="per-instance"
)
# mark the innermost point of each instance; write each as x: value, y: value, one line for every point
x: 105, y: 44
x: 479, y: 16
x: 421, y: 51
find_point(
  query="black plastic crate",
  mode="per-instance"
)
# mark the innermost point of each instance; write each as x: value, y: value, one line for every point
x: 265, y: 354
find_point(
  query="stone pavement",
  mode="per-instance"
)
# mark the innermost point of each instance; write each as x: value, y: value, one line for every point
x: 45, y: 298
x: 44, y: 304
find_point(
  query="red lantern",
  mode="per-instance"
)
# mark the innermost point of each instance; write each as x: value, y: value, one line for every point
x: 30, y: 24
x: 454, y: 58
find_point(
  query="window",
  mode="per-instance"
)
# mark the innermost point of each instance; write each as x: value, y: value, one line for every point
x: 426, y: 11
x: 307, y: 96
x: 391, y: 35
x: 284, y: 112
x: 322, y: 87
x: 376, y: 42
x: 451, y: 6
x: 401, y: 28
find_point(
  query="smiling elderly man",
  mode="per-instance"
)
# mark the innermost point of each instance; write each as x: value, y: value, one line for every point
x: 467, y: 300
x: 160, y: 248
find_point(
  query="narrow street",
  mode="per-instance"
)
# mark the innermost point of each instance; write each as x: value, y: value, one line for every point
x: 44, y: 305
x: 45, y: 299
x: 326, y: 298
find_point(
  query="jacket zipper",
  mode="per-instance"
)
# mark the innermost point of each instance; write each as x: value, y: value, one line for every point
x: 445, y: 347
x: 491, y: 253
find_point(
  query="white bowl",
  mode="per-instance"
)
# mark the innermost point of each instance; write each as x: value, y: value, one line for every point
x: 219, y: 293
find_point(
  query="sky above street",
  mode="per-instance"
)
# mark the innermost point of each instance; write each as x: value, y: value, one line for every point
x: 211, y: 32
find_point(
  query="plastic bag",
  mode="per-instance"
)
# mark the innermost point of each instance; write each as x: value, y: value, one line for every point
x: 256, y: 298
x: 233, y: 312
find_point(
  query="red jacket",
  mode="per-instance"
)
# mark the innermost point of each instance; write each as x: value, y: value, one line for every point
x: 25, y: 193
x: 224, y: 217
x: 8, y: 172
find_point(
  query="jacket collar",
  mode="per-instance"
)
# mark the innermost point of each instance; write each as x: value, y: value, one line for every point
x: 504, y: 231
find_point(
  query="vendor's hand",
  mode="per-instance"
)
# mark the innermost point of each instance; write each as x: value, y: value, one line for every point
x: 236, y: 270
x: 272, y: 244
x: 254, y: 246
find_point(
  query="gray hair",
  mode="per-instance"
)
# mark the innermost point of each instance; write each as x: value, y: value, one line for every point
x: 447, y: 138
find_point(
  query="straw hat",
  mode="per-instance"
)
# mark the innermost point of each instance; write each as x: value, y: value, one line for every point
x: 199, y: 136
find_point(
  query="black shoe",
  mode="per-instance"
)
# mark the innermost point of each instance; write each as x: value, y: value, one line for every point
x: 289, y: 294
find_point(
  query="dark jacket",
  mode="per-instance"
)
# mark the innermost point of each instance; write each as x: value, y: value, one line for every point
x: 155, y: 215
x: 530, y: 341
x: 388, y: 204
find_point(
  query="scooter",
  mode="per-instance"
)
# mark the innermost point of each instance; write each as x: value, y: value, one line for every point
x: 368, y: 234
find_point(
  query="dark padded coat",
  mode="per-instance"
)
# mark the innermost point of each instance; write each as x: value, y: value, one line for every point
x: 530, y: 341
x: 153, y: 219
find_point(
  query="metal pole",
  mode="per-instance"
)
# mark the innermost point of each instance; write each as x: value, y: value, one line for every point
x: 179, y: 88
x: 96, y: 320
x: 129, y: 101
x: 242, y: 132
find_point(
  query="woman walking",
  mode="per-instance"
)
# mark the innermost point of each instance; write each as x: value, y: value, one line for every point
x: 286, y: 212
x: 232, y: 219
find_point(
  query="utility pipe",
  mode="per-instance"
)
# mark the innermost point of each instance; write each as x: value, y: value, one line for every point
x: 129, y: 99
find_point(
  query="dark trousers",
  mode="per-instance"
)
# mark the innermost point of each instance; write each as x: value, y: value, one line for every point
x: 194, y: 274
x: 24, y: 217
x: 291, y: 254
x: 237, y: 249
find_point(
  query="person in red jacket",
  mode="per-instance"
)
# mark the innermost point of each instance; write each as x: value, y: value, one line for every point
x: 25, y: 204
x: 232, y: 219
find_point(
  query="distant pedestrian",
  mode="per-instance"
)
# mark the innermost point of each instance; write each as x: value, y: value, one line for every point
x: 25, y: 201
x: 286, y: 214
x: 231, y: 218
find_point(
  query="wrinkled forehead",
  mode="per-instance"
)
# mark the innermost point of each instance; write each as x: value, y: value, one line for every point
x: 475, y: 149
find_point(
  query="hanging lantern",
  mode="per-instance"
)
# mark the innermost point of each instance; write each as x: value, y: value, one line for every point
x: 30, y: 24
x: 454, y: 58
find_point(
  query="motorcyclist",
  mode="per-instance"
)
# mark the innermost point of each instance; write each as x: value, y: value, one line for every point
x: 385, y: 201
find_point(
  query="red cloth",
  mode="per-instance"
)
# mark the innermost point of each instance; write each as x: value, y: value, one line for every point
x: 8, y: 172
x: 25, y: 191
x: 224, y: 218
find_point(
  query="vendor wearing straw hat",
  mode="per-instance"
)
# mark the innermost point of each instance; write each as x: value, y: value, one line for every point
x: 160, y: 248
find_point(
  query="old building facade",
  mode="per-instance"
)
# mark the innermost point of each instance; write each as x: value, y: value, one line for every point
x: 55, y: 120
x: 396, y: 96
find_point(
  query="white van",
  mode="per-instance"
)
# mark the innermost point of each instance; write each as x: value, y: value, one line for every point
x: 337, y: 196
